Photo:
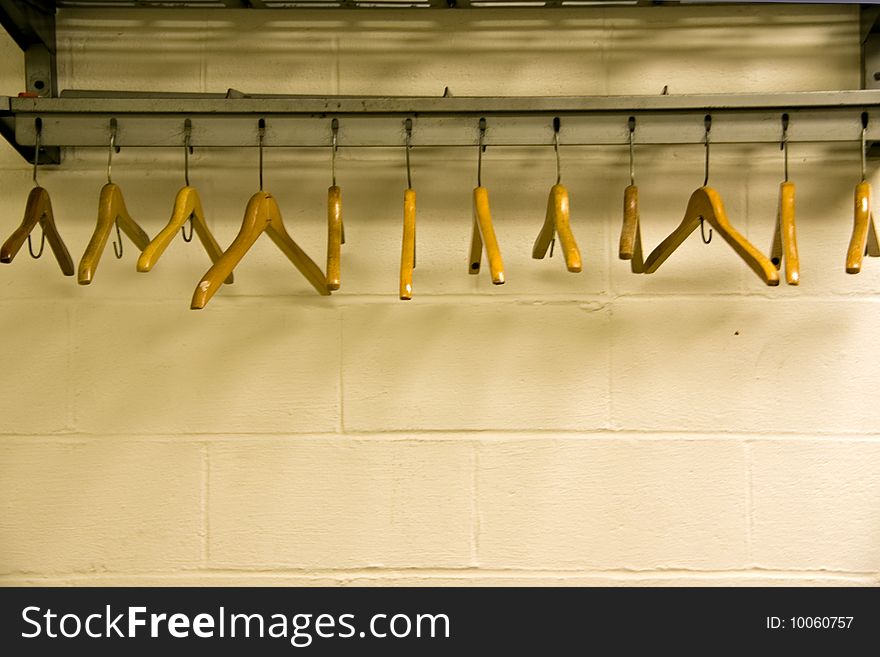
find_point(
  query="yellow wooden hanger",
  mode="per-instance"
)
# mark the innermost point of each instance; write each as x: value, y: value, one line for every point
x: 111, y: 211
x: 408, y: 245
x: 262, y: 215
x: 483, y: 232
x: 864, y: 236
x: 557, y: 219
x: 630, y: 247
x: 705, y: 205
x: 335, y: 227
x: 785, y: 236
x: 187, y: 208
x: 38, y: 210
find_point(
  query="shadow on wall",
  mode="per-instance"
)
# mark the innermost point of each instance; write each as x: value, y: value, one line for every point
x: 475, y: 52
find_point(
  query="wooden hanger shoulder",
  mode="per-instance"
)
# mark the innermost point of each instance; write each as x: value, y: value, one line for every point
x: 408, y: 248
x: 307, y: 267
x: 38, y: 210
x: 334, y: 236
x: 484, y: 237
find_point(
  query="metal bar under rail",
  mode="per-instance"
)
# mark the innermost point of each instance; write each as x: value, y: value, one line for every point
x: 83, y: 119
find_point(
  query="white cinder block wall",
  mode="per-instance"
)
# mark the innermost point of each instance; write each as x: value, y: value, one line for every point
x: 689, y: 427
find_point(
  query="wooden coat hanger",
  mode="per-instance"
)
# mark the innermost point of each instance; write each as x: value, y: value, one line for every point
x: 785, y: 236
x: 335, y: 237
x: 262, y: 215
x: 557, y: 219
x: 864, y: 236
x: 38, y: 210
x: 408, y: 243
x: 335, y: 227
x: 408, y: 248
x: 705, y: 205
x: 111, y: 211
x: 483, y: 232
x: 187, y: 208
x: 630, y: 247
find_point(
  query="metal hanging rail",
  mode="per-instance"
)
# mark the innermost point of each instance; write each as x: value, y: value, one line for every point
x: 83, y: 119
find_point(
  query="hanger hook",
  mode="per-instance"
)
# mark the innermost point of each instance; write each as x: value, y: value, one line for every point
x: 707, y: 122
x: 38, y: 130
x: 334, y: 146
x: 705, y: 239
x: 38, y: 127
x: 187, y: 237
x: 481, y: 148
x: 632, y: 166
x: 262, y: 133
x: 117, y: 251
x: 864, y: 141
x: 36, y: 256
x: 783, y: 146
x: 407, y: 146
x: 187, y: 149
x: 113, y: 147
x: 557, y: 123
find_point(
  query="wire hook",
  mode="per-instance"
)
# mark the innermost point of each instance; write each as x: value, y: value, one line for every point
x: 481, y: 148
x: 783, y: 146
x: 334, y: 128
x: 407, y: 146
x: 703, y: 232
x: 36, y: 256
x: 113, y: 147
x: 187, y: 149
x: 262, y: 133
x: 707, y: 123
x: 557, y: 123
x: 117, y: 245
x: 632, y: 166
x: 117, y: 251
x: 187, y: 237
x: 864, y: 141
x: 38, y: 128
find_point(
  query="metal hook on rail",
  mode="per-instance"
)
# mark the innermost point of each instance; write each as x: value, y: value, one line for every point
x: 632, y: 166
x: 707, y: 123
x: 557, y: 123
x: 864, y: 145
x: 407, y: 147
x: 187, y: 150
x: 114, y: 126
x: 262, y: 134
x: 334, y: 146
x: 113, y: 147
x: 481, y: 148
x: 783, y: 146
x: 38, y: 129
